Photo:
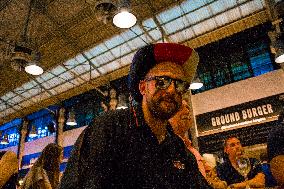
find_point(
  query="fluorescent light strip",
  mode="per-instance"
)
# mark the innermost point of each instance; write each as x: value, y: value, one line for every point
x: 58, y: 70
x: 80, y: 59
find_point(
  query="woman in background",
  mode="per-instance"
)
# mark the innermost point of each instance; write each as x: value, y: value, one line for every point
x: 8, y: 170
x: 181, y: 122
x: 44, y: 174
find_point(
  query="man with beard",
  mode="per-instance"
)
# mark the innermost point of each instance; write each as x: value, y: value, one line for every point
x: 137, y: 148
x: 227, y: 171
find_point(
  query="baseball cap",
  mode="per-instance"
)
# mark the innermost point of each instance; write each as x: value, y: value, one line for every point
x: 150, y: 55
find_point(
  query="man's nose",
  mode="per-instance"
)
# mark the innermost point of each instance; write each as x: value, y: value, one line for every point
x: 187, y: 110
x: 238, y: 146
x: 172, y: 88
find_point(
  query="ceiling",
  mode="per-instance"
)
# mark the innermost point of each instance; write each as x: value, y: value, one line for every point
x: 80, y: 53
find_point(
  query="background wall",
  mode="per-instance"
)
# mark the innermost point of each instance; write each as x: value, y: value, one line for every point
x: 265, y: 85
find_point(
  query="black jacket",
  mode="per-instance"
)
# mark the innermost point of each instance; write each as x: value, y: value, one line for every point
x: 118, y: 152
x: 228, y: 173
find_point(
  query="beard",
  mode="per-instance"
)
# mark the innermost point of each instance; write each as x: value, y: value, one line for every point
x: 164, y: 107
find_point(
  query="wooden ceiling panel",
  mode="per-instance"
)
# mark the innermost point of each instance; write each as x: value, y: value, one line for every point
x: 87, y: 25
x: 12, y: 24
x: 39, y: 28
x: 58, y: 56
x: 61, y: 31
x: 64, y: 29
x: 64, y: 10
x: 11, y: 79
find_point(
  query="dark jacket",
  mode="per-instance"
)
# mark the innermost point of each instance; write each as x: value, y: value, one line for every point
x: 118, y: 152
x: 226, y: 172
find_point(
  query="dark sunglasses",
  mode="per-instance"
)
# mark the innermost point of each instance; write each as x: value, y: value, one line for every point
x: 163, y: 82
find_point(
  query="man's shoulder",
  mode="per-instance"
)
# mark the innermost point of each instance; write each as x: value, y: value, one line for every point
x: 118, y: 121
x: 112, y: 115
x: 253, y: 160
x: 224, y: 166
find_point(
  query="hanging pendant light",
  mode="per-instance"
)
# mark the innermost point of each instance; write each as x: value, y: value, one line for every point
x: 71, y: 118
x: 277, y: 45
x: 33, y: 68
x: 33, y: 132
x: 124, y: 18
x: 196, y: 83
x: 121, y: 102
x: 279, y: 56
x: 5, y: 140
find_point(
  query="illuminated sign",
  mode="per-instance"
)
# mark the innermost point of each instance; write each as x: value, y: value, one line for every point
x: 249, y: 113
x: 242, y: 115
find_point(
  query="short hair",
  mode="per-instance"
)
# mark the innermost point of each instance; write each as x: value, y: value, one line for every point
x: 228, y: 138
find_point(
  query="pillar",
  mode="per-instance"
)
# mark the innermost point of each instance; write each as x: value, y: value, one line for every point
x: 21, y: 146
x: 60, y: 125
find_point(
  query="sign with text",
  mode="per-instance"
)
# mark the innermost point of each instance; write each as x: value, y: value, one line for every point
x: 250, y: 113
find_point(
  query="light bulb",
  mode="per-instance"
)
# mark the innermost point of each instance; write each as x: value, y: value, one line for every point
x: 124, y: 19
x: 33, y: 69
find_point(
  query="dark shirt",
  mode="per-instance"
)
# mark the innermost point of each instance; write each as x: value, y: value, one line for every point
x: 228, y: 173
x: 117, y: 153
x: 269, y: 179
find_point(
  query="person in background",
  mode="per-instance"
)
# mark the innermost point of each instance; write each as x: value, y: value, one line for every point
x: 136, y: 147
x: 227, y: 171
x: 45, y: 172
x: 275, y: 151
x: 181, y: 122
x: 8, y: 170
x: 269, y: 179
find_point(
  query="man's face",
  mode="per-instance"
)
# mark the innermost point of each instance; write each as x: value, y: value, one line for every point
x: 233, y: 148
x: 182, y: 120
x: 162, y: 103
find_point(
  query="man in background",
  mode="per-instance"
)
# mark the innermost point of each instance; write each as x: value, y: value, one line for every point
x: 228, y: 171
x: 275, y: 151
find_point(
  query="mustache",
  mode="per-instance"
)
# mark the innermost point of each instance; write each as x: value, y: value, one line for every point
x: 168, y: 98
x: 183, y: 117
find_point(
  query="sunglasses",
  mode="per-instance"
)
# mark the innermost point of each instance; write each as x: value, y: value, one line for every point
x: 163, y: 82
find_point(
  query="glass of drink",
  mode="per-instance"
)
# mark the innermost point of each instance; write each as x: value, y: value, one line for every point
x: 244, y: 167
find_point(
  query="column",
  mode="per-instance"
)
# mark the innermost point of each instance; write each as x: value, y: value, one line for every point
x: 60, y: 125
x: 21, y: 146
x: 193, y: 130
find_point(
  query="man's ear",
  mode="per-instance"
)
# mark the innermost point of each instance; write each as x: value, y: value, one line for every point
x: 142, y: 87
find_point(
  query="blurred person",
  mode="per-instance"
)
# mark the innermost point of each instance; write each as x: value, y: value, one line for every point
x: 275, y: 151
x: 136, y: 147
x: 210, y: 159
x: 113, y: 99
x: 227, y: 171
x: 181, y: 122
x: 269, y: 179
x: 45, y: 172
x: 8, y: 170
